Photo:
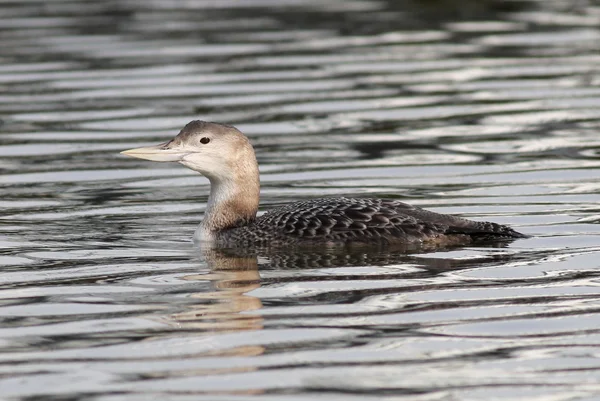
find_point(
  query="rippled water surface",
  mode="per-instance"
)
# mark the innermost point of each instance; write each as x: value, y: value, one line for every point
x: 485, y: 109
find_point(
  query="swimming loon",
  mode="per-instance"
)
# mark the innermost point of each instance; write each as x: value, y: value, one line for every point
x: 225, y: 156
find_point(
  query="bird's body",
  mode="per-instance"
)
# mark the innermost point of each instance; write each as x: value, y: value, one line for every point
x: 338, y: 221
x: 224, y: 155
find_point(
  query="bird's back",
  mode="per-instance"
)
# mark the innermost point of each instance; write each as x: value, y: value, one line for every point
x: 360, y: 220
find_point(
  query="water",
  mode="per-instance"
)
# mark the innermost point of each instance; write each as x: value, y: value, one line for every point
x: 487, y: 109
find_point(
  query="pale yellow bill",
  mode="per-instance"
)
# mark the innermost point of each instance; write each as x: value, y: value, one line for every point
x: 156, y: 153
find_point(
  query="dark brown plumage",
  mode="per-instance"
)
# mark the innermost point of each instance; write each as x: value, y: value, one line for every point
x: 359, y: 220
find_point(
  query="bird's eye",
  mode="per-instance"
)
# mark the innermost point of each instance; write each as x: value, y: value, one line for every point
x: 204, y: 140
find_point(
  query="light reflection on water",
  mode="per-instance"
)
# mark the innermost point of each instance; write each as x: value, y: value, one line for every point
x: 489, y: 110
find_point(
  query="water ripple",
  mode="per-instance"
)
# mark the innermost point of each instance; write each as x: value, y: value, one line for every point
x: 487, y: 111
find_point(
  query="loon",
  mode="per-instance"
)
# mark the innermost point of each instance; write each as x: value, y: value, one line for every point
x: 225, y: 156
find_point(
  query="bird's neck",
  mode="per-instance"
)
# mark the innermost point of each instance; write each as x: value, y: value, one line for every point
x: 232, y: 203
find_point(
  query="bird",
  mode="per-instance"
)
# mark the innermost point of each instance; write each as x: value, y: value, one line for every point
x: 225, y: 156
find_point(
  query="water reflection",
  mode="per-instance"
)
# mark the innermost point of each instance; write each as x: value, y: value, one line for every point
x: 222, y: 308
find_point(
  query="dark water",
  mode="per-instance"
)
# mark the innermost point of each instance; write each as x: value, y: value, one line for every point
x: 489, y: 110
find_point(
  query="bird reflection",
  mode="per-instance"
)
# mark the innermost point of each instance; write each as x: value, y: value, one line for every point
x: 235, y: 273
x: 314, y: 257
x: 221, y: 309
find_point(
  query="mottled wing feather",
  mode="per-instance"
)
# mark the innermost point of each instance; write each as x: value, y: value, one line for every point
x: 458, y: 225
x: 367, y: 220
x: 346, y: 220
